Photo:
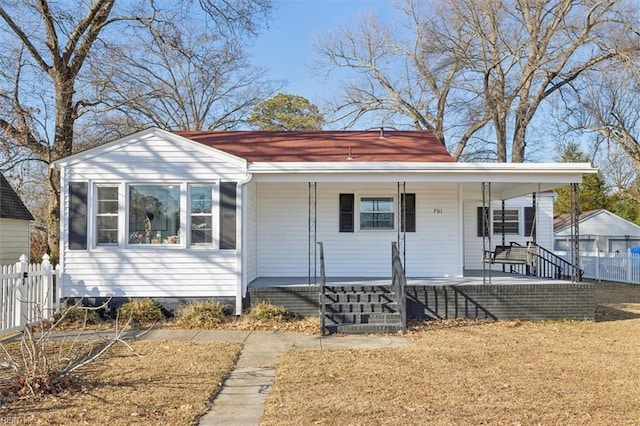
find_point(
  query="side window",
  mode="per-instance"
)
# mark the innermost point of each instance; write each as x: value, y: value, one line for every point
x: 346, y: 212
x: 107, y: 215
x: 511, y: 222
x: 202, y: 210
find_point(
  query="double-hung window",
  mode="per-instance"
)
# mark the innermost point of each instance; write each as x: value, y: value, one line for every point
x: 202, y: 211
x: 511, y: 221
x: 376, y: 213
x: 107, y: 215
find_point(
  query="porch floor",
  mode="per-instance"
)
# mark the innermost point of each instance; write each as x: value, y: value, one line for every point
x: 470, y: 277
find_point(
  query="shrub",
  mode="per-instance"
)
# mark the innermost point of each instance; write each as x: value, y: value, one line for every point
x: 265, y: 311
x: 76, y: 316
x: 140, y: 311
x: 206, y: 314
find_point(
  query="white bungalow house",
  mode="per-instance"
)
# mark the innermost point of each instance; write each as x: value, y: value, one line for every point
x: 206, y: 214
x: 14, y: 225
x: 600, y: 231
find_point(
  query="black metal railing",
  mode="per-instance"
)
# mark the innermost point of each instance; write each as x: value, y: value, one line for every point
x: 399, y: 281
x: 548, y: 265
x: 323, y: 282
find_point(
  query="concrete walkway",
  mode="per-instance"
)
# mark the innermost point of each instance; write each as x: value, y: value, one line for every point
x: 240, y: 402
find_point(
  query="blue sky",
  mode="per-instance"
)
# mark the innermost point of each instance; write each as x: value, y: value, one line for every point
x: 285, y: 49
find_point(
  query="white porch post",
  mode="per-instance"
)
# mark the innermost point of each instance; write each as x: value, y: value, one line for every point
x: 312, y: 242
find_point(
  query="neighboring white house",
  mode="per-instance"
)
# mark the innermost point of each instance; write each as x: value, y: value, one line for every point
x: 14, y: 225
x: 203, y: 214
x: 599, y: 231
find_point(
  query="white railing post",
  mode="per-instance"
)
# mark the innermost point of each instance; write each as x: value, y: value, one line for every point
x: 598, y: 266
x: 21, y: 293
x: 629, y: 266
x: 58, y: 272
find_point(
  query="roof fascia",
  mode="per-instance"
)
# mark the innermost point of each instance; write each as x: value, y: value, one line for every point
x: 538, y: 173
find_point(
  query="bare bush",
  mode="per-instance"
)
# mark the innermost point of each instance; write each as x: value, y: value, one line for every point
x: 44, y: 362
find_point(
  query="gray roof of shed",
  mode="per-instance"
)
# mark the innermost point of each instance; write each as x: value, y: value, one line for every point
x: 11, y: 206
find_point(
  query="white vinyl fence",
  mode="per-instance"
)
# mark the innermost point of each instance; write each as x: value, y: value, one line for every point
x: 621, y: 267
x: 27, y: 293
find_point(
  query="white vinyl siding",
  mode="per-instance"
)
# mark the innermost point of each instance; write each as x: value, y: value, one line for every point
x: 163, y: 270
x: 283, y: 231
x: 14, y: 241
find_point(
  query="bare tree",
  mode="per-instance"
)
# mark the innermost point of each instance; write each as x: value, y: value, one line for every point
x: 469, y: 63
x: 408, y: 80
x: 191, y: 79
x: 45, y: 89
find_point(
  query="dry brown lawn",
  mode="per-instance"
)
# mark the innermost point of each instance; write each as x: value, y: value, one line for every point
x: 490, y: 373
x: 172, y: 385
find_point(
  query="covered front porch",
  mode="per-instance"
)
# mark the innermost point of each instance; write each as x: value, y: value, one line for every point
x: 507, y: 296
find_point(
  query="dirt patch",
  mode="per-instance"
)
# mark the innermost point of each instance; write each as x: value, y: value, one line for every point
x: 498, y: 373
x: 174, y: 384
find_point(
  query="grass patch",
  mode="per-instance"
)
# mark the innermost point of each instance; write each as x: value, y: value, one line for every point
x: 496, y: 373
x: 172, y: 385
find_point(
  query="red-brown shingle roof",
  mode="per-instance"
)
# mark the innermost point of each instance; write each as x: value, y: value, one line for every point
x: 326, y: 146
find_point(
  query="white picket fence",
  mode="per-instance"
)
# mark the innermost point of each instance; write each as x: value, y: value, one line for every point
x: 27, y: 293
x: 621, y: 267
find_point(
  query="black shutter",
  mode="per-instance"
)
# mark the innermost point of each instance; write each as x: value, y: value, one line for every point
x: 409, y: 217
x: 78, y: 215
x: 529, y: 216
x: 228, y: 215
x: 346, y: 212
x: 483, y: 232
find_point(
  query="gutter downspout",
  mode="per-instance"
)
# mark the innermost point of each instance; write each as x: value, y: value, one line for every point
x: 241, y: 257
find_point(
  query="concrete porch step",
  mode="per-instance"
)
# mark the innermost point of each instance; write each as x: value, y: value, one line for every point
x: 363, y: 318
x: 372, y: 307
x: 371, y: 328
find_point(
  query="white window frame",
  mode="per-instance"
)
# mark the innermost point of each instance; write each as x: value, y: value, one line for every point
x: 520, y: 214
x: 96, y: 214
x: 358, y: 208
x: 181, y: 215
x: 215, y: 214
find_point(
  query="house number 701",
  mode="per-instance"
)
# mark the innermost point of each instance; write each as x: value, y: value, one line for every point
x: 437, y: 211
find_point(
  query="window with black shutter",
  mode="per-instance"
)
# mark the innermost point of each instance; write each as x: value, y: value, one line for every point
x: 347, y: 203
x: 78, y: 215
x: 529, y: 221
x: 408, y: 216
x: 483, y: 219
x: 228, y: 215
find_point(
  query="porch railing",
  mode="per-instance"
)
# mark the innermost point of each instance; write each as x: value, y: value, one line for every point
x: 323, y: 282
x: 27, y: 293
x: 399, y: 281
x: 548, y: 265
